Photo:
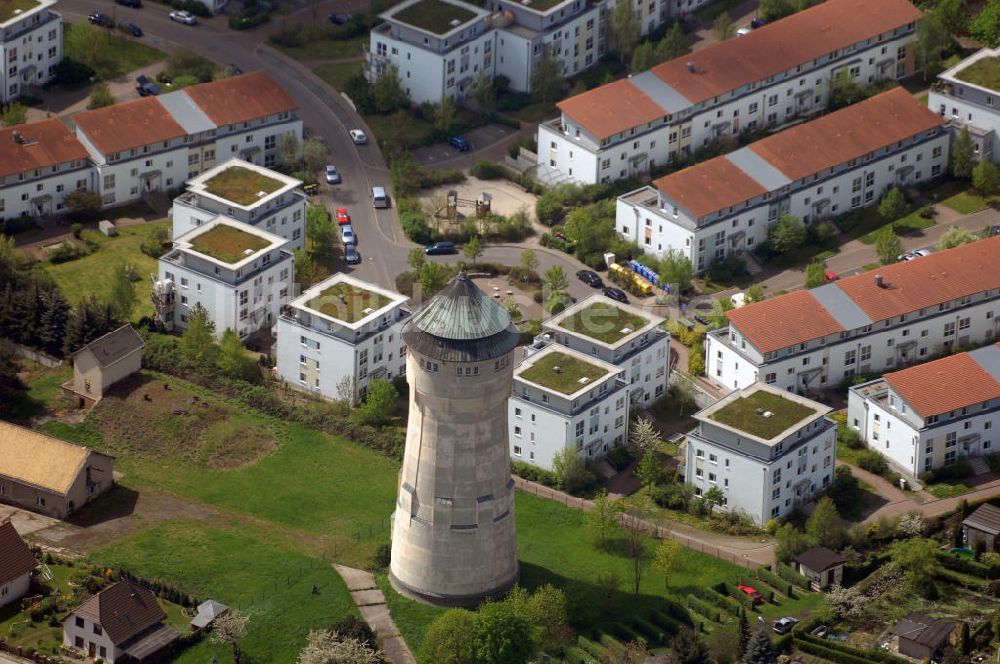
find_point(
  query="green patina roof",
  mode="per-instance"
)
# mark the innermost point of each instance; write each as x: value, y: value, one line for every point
x: 463, y: 312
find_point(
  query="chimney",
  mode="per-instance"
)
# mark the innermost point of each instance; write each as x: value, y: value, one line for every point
x: 878, y: 281
x: 690, y: 66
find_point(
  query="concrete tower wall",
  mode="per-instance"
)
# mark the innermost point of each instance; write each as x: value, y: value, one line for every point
x: 453, y: 529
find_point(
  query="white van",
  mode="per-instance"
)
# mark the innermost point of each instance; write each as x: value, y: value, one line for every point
x: 380, y: 199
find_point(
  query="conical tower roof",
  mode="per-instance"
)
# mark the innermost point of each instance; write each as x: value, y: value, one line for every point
x: 461, y: 323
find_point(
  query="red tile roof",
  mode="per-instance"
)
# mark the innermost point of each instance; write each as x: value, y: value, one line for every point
x: 847, y: 134
x: 612, y: 108
x: 241, y: 98
x: 709, y: 186
x: 45, y: 143
x: 784, y: 321
x: 772, y: 49
x: 16, y: 559
x: 944, y: 385
x: 128, y: 125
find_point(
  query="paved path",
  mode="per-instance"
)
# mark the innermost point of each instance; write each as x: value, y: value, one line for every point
x: 371, y: 603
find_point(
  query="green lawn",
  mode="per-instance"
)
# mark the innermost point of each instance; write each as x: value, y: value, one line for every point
x: 911, y: 223
x: 228, y: 244
x: 713, y: 10
x: 436, y: 16
x: 268, y: 580
x: 347, y: 302
x: 401, y: 128
x: 110, y: 55
x: 984, y: 72
x: 8, y: 7
x: 92, y: 274
x: 336, y: 74
x: 571, y: 371
x: 959, y: 196
x: 328, y: 49
x: 534, y: 113
x: 948, y: 489
x: 44, y: 390
x: 412, y: 618
x: 241, y: 185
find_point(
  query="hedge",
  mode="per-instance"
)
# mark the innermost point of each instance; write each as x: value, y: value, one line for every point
x: 533, y: 473
x: 705, y: 609
x: 665, y: 622
x: 609, y: 641
x: 782, y: 585
x: 966, y: 566
x: 656, y: 635
x: 855, y: 573
x: 793, y: 577
x: 593, y: 649
x: 626, y: 633
x: 829, y: 654
x: 873, y: 655
x: 963, y: 580
x: 576, y: 655
x: 677, y: 612
x: 766, y: 592
x: 731, y: 591
x: 722, y: 601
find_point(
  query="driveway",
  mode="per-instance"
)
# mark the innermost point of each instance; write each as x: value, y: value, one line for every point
x: 26, y: 522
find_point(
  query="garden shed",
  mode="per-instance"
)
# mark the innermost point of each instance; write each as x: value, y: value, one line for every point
x: 983, y: 525
x: 923, y: 637
x: 108, y: 228
x: 822, y: 566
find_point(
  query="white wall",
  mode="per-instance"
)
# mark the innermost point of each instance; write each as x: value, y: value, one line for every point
x: 39, y: 46
x: 14, y: 590
x: 103, y: 645
x: 16, y: 197
x: 266, y: 137
x: 122, y: 181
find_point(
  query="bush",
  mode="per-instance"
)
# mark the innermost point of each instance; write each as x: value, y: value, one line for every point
x: 65, y: 252
x: 966, y: 566
x: 17, y: 225
x: 829, y: 654
x: 246, y: 20
x: 619, y: 457
x: 533, y: 473
x: 870, y: 655
x: 705, y: 609
x: 658, y: 634
x: 728, y: 271
x: 784, y: 586
x: 488, y: 170
x: 793, y: 577
x: 873, y: 462
x: 70, y: 73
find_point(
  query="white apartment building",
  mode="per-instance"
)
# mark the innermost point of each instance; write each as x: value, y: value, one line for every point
x: 869, y: 323
x: 339, y: 335
x: 622, y: 335
x: 41, y: 163
x: 564, y: 399
x: 965, y: 96
x: 927, y: 416
x: 768, y: 451
x: 775, y: 75
x: 31, y: 45
x: 831, y: 165
x: 277, y: 205
x: 241, y: 275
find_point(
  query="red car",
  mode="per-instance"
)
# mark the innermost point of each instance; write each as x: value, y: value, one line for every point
x: 342, y: 216
x: 752, y: 592
x: 830, y: 275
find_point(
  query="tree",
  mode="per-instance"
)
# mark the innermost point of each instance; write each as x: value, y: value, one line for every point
x: 591, y: 227
x: 197, y: 342
x: 985, y: 27
x: 788, y: 234
x: 546, y: 608
x: 571, y: 471
x: 380, y: 402
x: 714, y: 497
x: 100, y: 97
x: 673, y: 45
x: 964, y: 644
x: 675, y: 268
x: 743, y: 632
x: 643, y: 437
x: 433, y: 277
x: 554, y: 280
x: 51, y: 328
x: 815, y: 274
x: 755, y: 293
x: 955, y: 237
x: 388, y: 93
x: 83, y: 202
x: 759, y: 649
x: 887, y: 245
x: 844, y: 489
x: 893, y: 205
x: 328, y: 647
x: 449, y: 638
x: 483, y: 90
x: 635, y: 541
x: 500, y: 635
x: 547, y: 81
x: 642, y: 58
x: 416, y: 258
x: 233, y: 361
x: 86, y: 43
x: 10, y: 383
x: 932, y: 40
x: 185, y: 62
x: 789, y: 542
x: 623, y: 30
x: 962, y: 153
x: 824, y: 527
x: 649, y: 470
x: 320, y: 229
x: 723, y: 26
x: 952, y: 15
x: 305, y: 267
x: 444, y: 114
x: 844, y: 90
x: 986, y: 177
x: 772, y: 10
x: 228, y: 629
x: 289, y: 149
x: 529, y: 261
x: 687, y: 648
x: 602, y: 517
x: 88, y: 321
x: 917, y: 558
x: 472, y: 249
x: 314, y: 155
x: 717, y: 316
x: 512, y: 308
x: 121, y: 297
x: 14, y: 113
x: 665, y: 557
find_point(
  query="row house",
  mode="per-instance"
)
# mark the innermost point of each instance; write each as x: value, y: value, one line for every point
x: 967, y: 96
x: 837, y: 163
x: 31, y: 45
x: 42, y: 163
x: 928, y: 416
x: 339, y: 336
x: 774, y: 75
x: 865, y: 324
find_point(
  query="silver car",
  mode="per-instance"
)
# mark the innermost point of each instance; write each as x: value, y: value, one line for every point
x: 182, y: 16
x: 358, y: 136
x: 347, y: 235
x: 332, y: 176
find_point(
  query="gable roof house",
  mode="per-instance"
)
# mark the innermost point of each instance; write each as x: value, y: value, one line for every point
x: 122, y: 623
x: 922, y: 637
x: 102, y: 363
x: 16, y: 564
x: 47, y: 475
x: 822, y: 566
x: 983, y: 525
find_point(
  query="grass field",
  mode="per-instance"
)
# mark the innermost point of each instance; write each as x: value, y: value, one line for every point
x: 92, y: 274
x: 328, y: 49
x: 412, y: 618
x: 960, y: 197
x: 337, y: 74
x: 400, y: 128
x: 110, y: 55
x: 44, y: 390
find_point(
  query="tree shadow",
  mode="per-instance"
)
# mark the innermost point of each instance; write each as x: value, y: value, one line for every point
x: 116, y: 504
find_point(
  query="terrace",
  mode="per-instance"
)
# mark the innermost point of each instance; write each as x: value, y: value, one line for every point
x: 242, y: 185
x: 749, y: 414
x: 434, y: 16
x: 227, y: 244
x: 347, y: 302
x: 604, y: 322
x: 11, y: 8
x: 562, y: 373
x: 984, y: 72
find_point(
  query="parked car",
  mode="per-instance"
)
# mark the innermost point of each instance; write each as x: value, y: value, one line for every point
x: 347, y: 235
x: 134, y: 4
x: 145, y: 87
x: 358, y: 136
x: 351, y: 255
x: 234, y: 70
x: 995, y: 230
x: 440, y: 249
x: 310, y: 189
x: 830, y: 275
x: 701, y: 320
x: 342, y: 216
x: 102, y: 20
x: 332, y: 176
x: 784, y: 625
x: 185, y: 17
x: 615, y: 294
x: 913, y: 255
x: 590, y: 278
x: 757, y: 22
x: 339, y: 19
x: 752, y: 593
x: 130, y: 27
x: 743, y: 32
x: 460, y: 143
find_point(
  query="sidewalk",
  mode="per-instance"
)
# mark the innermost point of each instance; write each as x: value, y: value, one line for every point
x: 371, y: 603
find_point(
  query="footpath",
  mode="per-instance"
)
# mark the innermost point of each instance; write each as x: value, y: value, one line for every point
x: 371, y: 603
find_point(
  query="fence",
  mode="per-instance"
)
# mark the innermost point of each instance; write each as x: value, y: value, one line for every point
x: 44, y: 359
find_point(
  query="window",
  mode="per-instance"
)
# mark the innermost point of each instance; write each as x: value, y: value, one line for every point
x: 517, y: 431
x: 97, y: 629
x: 78, y: 621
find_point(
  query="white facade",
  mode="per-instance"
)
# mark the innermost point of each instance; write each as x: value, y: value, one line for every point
x: 970, y: 105
x: 15, y: 589
x: 281, y: 212
x: 86, y: 636
x: 543, y: 421
x: 31, y: 45
x: 765, y: 478
x: 245, y: 296
x: 122, y: 177
x: 317, y: 352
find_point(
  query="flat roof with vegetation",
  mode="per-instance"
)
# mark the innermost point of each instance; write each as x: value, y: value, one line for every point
x: 348, y: 302
x: 228, y: 244
x: 562, y: 373
x: 9, y: 8
x: 984, y: 72
x: 604, y: 322
x: 543, y: 5
x: 241, y: 185
x: 747, y: 414
x: 434, y: 16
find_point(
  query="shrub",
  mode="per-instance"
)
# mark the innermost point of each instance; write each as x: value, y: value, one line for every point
x: 784, y: 586
x: 533, y: 473
x: 703, y: 608
x: 873, y: 462
x: 793, y: 577
x: 619, y: 457
x: 65, y: 252
x: 487, y: 170
x: 592, y: 648
x: 724, y: 602
x: 70, y: 73
x: 17, y: 225
x: 966, y: 566
x: 829, y: 654
x: 657, y: 635
x: 76, y: 229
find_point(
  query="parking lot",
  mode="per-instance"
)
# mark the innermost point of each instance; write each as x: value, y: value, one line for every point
x: 440, y: 154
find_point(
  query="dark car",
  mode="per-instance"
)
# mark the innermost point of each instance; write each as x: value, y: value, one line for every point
x: 757, y: 22
x: 590, y: 278
x: 134, y: 4
x: 146, y: 87
x: 234, y: 70
x: 460, y: 143
x: 784, y: 625
x: 995, y: 230
x: 440, y: 248
x: 339, y: 19
x: 103, y: 20
x: 130, y: 27
x: 701, y: 320
x: 351, y: 255
x: 615, y: 294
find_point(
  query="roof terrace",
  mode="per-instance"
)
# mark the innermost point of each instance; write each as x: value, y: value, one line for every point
x: 984, y: 72
x: 13, y: 8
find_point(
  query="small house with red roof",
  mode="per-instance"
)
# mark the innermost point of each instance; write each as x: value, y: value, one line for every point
x: 16, y: 564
